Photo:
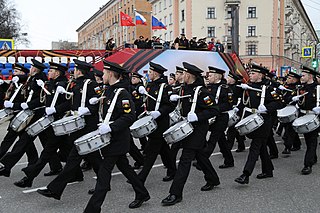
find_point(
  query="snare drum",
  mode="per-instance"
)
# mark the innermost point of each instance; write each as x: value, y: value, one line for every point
x: 40, y: 125
x: 21, y: 120
x: 5, y: 115
x: 68, y: 125
x: 175, y: 117
x: 249, y: 124
x: 233, y: 118
x: 91, y: 142
x: 178, y: 132
x: 288, y: 114
x: 306, y: 123
x: 143, y: 127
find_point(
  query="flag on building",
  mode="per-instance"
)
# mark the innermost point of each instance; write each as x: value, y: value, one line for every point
x: 157, y: 25
x: 140, y: 19
x: 126, y: 20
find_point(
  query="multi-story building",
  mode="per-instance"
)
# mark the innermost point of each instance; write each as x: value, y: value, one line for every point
x: 105, y: 24
x: 271, y: 32
x: 64, y: 45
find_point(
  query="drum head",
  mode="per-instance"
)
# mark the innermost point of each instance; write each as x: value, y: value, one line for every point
x: 246, y: 119
x: 303, y: 120
x: 141, y: 121
x: 174, y: 127
x: 288, y: 110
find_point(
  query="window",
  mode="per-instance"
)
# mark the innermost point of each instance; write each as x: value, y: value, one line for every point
x: 229, y: 13
x: 182, y: 31
x: 170, y: 2
x: 164, y: 4
x: 251, y: 31
x: 182, y: 15
x: 170, y: 18
x: 171, y: 35
x: 160, y: 6
x: 211, y: 32
x: 166, y: 37
x: 229, y: 30
x: 252, y: 49
x: 155, y: 9
x: 132, y: 8
x: 211, y: 12
x: 252, y: 12
x: 165, y: 20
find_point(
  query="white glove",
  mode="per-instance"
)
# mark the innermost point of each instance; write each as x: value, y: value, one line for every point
x: 50, y: 110
x: 83, y: 111
x: 155, y: 114
x: 40, y: 82
x: 262, y: 108
x: 104, y: 128
x: 1, y: 81
x: 94, y: 101
x: 192, y: 117
x: 316, y: 110
x: 281, y: 87
x: 295, y: 98
x: 142, y: 90
x: 244, y: 86
x: 24, y: 105
x: 15, y: 79
x: 8, y: 104
x: 236, y: 109
x: 174, y: 97
x: 60, y: 90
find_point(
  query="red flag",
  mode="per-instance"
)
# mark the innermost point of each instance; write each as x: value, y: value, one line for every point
x: 126, y: 20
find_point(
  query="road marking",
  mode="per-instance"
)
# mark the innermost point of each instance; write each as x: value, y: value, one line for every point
x: 119, y: 173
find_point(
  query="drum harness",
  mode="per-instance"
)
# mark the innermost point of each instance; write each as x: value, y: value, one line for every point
x: 246, y: 102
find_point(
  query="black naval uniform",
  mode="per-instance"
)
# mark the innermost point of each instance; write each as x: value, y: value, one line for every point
x: 72, y: 171
x: 193, y: 145
x: 258, y: 146
x: 53, y: 143
x: 291, y: 138
x: 123, y: 117
x: 156, y: 142
x: 220, y: 124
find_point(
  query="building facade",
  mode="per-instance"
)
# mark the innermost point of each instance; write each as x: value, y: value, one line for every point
x: 105, y: 24
x: 64, y: 45
x: 271, y: 32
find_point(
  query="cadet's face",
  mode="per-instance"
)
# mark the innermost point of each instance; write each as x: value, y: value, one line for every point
x: 214, y: 77
x: 33, y: 71
x: 18, y: 72
x: 179, y: 76
x: 106, y: 76
x: 230, y: 81
x: 53, y: 74
x: 255, y: 76
x: 291, y: 80
x: 171, y: 81
x: 135, y: 80
x: 305, y: 77
x: 152, y: 75
x: 318, y: 79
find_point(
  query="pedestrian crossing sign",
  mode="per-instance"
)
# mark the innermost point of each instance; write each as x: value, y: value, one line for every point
x: 6, y: 44
x: 307, y: 52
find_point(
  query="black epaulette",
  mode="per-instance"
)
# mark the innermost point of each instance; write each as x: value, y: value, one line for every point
x: 224, y: 86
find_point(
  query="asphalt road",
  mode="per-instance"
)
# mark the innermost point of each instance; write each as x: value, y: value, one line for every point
x: 288, y: 191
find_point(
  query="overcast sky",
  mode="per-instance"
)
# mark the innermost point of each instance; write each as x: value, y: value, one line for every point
x: 54, y: 20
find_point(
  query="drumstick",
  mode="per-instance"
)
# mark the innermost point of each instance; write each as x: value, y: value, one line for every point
x: 251, y: 88
x: 16, y: 84
x: 263, y: 94
x: 45, y: 90
x: 185, y: 96
x: 318, y: 95
x: 299, y: 96
x: 150, y: 96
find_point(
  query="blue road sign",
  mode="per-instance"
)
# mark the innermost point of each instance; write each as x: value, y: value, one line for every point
x: 307, y: 52
x: 6, y: 44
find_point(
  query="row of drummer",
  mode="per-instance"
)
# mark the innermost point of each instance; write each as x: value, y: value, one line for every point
x: 191, y: 108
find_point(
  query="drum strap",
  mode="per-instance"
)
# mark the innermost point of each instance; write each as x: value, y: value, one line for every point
x: 113, y: 103
x: 84, y: 93
x: 15, y: 93
x: 159, y: 96
x: 30, y: 96
x: 218, y: 94
x: 195, y: 98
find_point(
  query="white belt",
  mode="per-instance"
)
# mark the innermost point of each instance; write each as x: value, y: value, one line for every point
x: 252, y: 110
x: 306, y: 111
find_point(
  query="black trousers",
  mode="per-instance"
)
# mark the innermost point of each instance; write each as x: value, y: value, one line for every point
x: 271, y: 143
x: 233, y: 134
x: 292, y: 138
x: 310, y: 157
x: 135, y: 153
x: 152, y: 150
x: 187, y: 156
x: 53, y: 143
x: 9, y: 140
x: 217, y: 135
x: 104, y: 178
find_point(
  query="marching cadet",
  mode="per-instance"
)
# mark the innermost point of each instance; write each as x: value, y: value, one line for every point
x: 20, y: 75
x: 156, y: 142
x: 308, y: 104
x: 57, y: 82
x: 291, y: 138
x: 72, y: 170
x: 194, y: 144
x: 25, y: 141
x: 223, y: 98
x: 258, y: 146
x: 123, y: 117
x: 233, y: 80
x: 136, y: 82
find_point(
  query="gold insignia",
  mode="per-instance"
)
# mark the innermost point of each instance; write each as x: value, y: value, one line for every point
x: 126, y: 106
x: 258, y: 94
x: 207, y: 100
x: 156, y: 92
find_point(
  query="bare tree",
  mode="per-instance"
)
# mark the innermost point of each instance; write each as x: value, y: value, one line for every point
x: 10, y: 27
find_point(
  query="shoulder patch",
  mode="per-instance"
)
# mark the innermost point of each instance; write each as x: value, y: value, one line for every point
x: 97, y: 90
x: 126, y: 106
x: 207, y: 100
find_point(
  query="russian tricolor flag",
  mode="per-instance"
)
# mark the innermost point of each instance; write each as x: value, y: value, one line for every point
x: 157, y: 25
x: 140, y: 19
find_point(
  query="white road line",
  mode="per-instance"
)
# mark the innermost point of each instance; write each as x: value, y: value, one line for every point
x: 119, y: 173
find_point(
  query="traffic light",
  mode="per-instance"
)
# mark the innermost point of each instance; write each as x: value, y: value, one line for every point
x: 315, y: 63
